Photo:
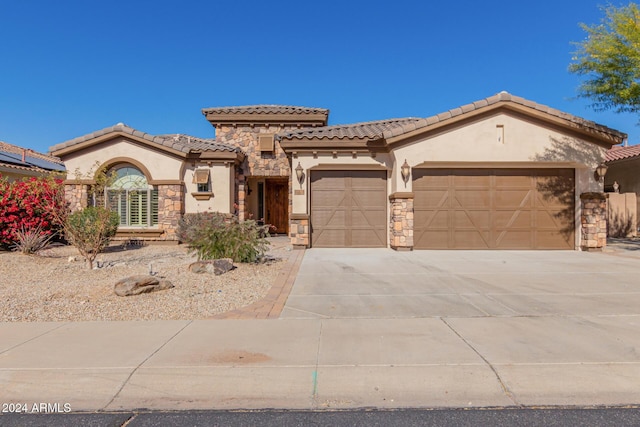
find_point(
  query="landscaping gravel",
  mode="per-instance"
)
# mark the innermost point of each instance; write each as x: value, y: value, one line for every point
x: 52, y: 286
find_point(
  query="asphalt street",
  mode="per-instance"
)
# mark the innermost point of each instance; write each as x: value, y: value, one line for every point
x: 551, y: 417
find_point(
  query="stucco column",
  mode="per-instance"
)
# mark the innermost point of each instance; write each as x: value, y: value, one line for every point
x: 401, y: 221
x: 593, y: 221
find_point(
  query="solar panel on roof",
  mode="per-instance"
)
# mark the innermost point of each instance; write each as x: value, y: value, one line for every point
x: 12, y: 158
x: 44, y: 164
x: 16, y: 159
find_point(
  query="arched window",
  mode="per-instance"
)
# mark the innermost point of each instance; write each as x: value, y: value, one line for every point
x: 131, y: 196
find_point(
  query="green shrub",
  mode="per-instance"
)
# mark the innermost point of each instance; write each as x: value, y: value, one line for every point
x: 216, y: 235
x: 193, y: 223
x: 90, y: 230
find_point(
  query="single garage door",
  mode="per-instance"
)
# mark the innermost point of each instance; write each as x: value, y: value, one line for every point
x: 348, y: 209
x: 494, y: 208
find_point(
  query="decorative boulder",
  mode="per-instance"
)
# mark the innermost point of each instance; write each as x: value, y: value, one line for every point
x: 216, y: 266
x: 136, y: 285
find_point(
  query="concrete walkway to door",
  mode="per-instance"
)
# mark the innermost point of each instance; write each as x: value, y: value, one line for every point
x: 381, y: 283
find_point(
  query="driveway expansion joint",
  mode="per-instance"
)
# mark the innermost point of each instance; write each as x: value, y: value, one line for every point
x: 126, y: 381
x: 35, y: 338
x: 505, y: 389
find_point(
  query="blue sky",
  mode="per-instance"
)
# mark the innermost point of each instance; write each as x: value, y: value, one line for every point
x: 72, y: 67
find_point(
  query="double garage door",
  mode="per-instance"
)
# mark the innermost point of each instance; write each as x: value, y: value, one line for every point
x: 453, y: 208
x: 493, y: 208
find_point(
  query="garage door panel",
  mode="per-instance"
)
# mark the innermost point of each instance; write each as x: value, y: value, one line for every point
x: 472, y: 198
x: 469, y: 239
x: 430, y: 199
x: 330, y: 237
x: 549, y: 219
x: 511, y: 198
x: 348, y: 209
x: 471, y: 219
x: 512, y: 239
x: 494, y: 208
x: 331, y: 218
x: 510, y: 219
x: 436, y: 219
x: 368, y: 220
x: 327, y: 199
x: 433, y: 240
x: 550, y: 239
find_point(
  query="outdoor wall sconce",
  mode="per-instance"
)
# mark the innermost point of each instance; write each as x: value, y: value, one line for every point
x: 601, y: 171
x: 405, y: 170
x: 300, y: 174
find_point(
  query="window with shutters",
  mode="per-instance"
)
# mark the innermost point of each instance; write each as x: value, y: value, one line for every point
x: 133, y: 198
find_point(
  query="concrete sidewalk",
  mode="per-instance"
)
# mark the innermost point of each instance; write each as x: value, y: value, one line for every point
x: 323, y: 363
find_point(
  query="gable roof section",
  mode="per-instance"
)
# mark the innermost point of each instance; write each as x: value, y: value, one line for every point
x: 24, y: 159
x: 622, y: 153
x: 267, y: 114
x: 387, y: 132
x: 181, y: 145
x: 514, y: 103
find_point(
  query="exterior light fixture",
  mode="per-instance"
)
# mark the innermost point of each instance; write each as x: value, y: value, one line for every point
x: 300, y: 174
x: 601, y: 171
x: 405, y: 170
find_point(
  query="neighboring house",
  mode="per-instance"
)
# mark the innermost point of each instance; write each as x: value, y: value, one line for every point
x: 500, y: 173
x: 623, y: 176
x: 17, y: 163
x: 624, y: 168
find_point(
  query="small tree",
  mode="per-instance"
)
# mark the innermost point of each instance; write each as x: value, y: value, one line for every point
x: 90, y: 230
x: 610, y: 59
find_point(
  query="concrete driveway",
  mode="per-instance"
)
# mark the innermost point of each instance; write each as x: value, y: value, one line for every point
x: 381, y: 283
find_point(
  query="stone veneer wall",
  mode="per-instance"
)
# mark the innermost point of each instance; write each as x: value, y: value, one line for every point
x: 594, y: 221
x: 170, y: 209
x: 256, y: 162
x: 401, y: 221
x: 76, y: 195
x: 299, y: 231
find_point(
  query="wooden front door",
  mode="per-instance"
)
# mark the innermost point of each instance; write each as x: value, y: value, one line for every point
x: 276, y: 203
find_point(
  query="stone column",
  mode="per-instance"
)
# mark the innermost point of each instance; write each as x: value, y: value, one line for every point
x: 593, y: 221
x: 170, y: 209
x: 299, y: 230
x: 401, y: 221
x: 76, y: 195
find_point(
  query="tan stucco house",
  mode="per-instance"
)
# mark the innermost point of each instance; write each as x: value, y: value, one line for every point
x: 500, y: 173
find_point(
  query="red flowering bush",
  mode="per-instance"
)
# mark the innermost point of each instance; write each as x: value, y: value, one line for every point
x: 30, y: 204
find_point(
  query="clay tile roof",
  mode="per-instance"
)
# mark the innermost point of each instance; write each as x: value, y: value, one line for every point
x: 11, y: 156
x: 504, y: 97
x: 621, y: 153
x: 370, y: 130
x: 396, y: 127
x: 265, y: 109
x: 182, y: 143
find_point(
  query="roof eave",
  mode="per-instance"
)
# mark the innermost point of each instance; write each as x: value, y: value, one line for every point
x: 111, y: 135
x: 594, y: 134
